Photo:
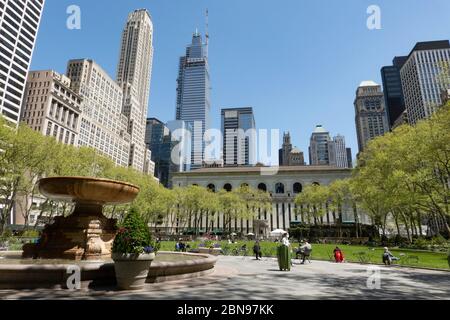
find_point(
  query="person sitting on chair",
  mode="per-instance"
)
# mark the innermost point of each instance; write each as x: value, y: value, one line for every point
x: 338, y: 255
x: 388, y: 257
x: 305, y: 251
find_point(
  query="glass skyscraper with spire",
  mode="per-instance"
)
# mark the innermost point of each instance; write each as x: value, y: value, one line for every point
x: 193, y: 95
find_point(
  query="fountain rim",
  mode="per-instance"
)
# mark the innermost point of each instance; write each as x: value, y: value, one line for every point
x: 202, y: 259
x: 43, y: 180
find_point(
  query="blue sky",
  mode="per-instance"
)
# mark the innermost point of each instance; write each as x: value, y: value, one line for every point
x: 296, y: 62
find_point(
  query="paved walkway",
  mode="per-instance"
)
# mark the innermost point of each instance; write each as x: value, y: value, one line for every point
x: 241, y: 278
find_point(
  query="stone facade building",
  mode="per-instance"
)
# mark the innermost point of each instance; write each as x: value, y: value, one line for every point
x: 51, y: 107
x: 370, y: 113
x: 103, y: 125
x: 283, y: 185
x: 288, y: 155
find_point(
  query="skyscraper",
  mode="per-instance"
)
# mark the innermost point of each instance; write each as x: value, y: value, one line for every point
x: 289, y: 156
x: 193, y: 95
x: 239, y: 144
x: 341, y: 152
x: 392, y: 88
x: 19, y: 25
x: 286, y: 148
x: 181, y: 151
x: 349, y: 158
x: 322, y: 151
x: 370, y: 113
x: 133, y: 76
x: 423, y: 78
x: 103, y: 126
x: 159, y: 141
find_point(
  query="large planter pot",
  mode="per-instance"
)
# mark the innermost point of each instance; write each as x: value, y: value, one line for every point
x: 132, y: 269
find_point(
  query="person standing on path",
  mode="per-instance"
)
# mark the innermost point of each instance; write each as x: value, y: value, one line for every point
x: 257, y: 250
x: 284, y: 254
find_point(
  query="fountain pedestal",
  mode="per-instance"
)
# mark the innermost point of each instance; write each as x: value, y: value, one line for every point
x: 86, y: 234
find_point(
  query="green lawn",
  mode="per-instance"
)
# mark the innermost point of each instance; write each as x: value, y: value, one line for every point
x: 352, y: 253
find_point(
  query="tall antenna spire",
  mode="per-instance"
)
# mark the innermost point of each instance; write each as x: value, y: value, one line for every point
x: 207, y: 31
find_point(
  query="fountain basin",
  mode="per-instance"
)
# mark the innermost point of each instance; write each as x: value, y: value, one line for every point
x: 88, y: 190
x: 17, y: 273
x: 86, y: 234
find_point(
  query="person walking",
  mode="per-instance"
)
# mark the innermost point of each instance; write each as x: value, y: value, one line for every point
x: 257, y: 250
x: 284, y: 254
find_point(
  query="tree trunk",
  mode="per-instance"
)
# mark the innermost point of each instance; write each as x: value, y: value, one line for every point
x: 407, y: 227
x: 396, y: 223
x: 413, y: 225
x: 446, y: 226
x: 419, y: 220
x: 355, y: 214
x: 384, y: 225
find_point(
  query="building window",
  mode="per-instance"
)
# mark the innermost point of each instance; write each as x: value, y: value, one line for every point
x: 49, y: 129
x: 262, y: 187
x: 228, y: 187
x: 279, y: 188
x: 298, y: 187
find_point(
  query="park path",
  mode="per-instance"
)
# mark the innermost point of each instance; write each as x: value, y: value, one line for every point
x: 239, y: 278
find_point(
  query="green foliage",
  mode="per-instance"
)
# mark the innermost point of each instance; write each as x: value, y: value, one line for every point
x: 208, y: 243
x: 402, y: 179
x: 404, y: 175
x: 30, y: 234
x: 435, y: 244
x: 134, y: 236
x: 352, y: 253
x: 313, y: 199
x: 6, y: 235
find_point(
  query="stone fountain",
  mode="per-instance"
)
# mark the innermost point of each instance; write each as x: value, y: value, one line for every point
x: 86, y: 234
x: 84, y: 239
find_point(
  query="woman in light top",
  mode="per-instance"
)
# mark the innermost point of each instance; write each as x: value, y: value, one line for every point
x: 285, y: 240
x: 284, y: 253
